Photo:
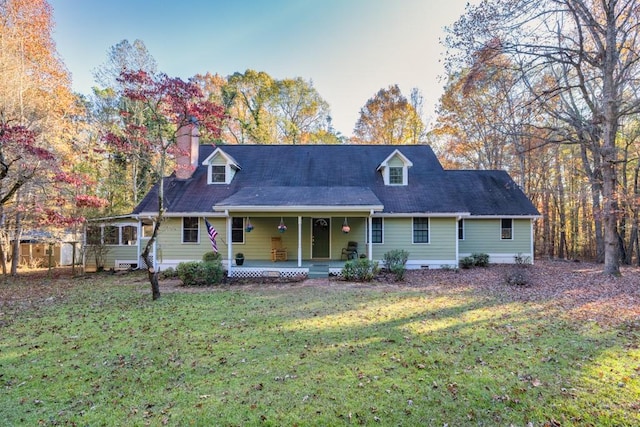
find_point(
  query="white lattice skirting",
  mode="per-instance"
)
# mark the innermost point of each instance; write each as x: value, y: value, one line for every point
x: 121, y: 264
x: 257, y: 272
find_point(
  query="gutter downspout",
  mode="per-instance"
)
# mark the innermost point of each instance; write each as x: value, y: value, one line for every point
x: 458, y: 218
x: 370, y: 236
x: 531, y: 237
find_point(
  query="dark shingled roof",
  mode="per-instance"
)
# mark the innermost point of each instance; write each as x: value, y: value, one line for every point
x: 290, y: 176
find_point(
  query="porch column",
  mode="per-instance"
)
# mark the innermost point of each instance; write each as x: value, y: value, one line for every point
x: 370, y: 237
x: 138, y: 245
x: 299, y: 241
x: 458, y: 219
x: 229, y: 246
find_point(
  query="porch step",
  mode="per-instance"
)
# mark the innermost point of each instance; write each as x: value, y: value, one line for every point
x: 318, y: 271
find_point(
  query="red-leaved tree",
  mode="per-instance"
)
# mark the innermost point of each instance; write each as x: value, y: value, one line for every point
x: 168, y: 105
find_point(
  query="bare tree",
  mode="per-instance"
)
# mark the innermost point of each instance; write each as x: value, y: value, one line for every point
x: 579, y: 61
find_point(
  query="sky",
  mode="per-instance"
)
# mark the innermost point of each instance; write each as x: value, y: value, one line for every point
x: 348, y: 49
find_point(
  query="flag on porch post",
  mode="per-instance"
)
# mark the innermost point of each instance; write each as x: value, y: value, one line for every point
x: 212, y: 235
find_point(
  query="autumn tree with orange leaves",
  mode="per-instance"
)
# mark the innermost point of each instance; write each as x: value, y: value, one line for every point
x: 37, y: 132
x: 388, y: 118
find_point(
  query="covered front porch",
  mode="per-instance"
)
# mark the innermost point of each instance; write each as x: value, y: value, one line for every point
x: 309, y: 242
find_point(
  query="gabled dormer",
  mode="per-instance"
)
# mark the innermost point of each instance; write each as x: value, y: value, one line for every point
x: 395, y: 169
x: 221, y: 167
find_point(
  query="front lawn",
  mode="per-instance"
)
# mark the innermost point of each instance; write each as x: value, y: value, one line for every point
x: 441, y: 348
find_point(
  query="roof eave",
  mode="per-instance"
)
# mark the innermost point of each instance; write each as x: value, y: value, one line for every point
x: 299, y: 208
x: 527, y: 216
x: 425, y: 214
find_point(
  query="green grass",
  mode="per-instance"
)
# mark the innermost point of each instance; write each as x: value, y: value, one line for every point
x: 105, y: 354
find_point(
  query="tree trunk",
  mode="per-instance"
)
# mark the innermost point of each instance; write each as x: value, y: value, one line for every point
x: 15, y: 250
x: 562, y: 214
x: 155, y: 286
x: 609, y: 150
x: 151, y: 272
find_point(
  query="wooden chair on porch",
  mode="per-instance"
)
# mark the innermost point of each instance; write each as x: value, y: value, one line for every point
x: 278, y: 253
x: 350, y: 252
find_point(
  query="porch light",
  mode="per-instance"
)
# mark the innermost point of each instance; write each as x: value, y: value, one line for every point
x: 249, y: 226
x: 282, y: 228
x: 345, y: 226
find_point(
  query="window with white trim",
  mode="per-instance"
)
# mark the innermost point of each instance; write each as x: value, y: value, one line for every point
x: 218, y: 174
x: 461, y: 229
x: 506, y: 226
x: 376, y: 230
x: 129, y: 235
x: 420, y: 230
x: 111, y: 235
x: 396, y: 175
x: 237, y: 229
x: 190, y: 229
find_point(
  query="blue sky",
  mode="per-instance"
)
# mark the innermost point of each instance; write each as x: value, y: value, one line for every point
x: 349, y: 49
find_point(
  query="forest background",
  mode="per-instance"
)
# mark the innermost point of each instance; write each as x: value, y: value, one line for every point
x: 545, y: 90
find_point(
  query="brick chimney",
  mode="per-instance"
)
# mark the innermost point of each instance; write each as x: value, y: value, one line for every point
x: 188, y: 144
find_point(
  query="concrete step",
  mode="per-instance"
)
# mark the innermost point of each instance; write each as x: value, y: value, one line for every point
x: 318, y: 271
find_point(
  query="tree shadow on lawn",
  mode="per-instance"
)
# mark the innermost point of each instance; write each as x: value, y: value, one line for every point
x: 497, y: 363
x: 433, y: 351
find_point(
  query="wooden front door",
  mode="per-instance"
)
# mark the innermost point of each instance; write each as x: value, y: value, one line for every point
x: 320, y: 237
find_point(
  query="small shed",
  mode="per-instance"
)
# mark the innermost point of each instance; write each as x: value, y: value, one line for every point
x: 35, y: 246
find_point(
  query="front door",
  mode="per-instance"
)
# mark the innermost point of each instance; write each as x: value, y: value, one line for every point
x: 320, y: 237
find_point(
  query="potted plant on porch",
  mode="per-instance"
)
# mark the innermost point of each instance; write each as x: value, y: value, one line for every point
x: 239, y: 258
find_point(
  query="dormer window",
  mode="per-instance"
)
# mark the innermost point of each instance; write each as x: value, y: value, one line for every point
x: 395, y: 169
x: 395, y: 176
x: 222, y: 167
x: 218, y: 174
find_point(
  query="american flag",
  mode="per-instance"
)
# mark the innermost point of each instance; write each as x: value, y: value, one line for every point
x: 212, y: 235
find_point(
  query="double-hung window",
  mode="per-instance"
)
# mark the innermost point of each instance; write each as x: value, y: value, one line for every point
x: 237, y: 229
x: 506, y: 232
x: 218, y: 174
x: 421, y: 230
x: 395, y: 176
x: 376, y: 230
x: 190, y: 229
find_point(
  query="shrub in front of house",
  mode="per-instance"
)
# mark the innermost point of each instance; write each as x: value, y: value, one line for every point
x: 466, y: 262
x: 360, y: 270
x: 211, y: 256
x: 169, y: 273
x: 475, y: 260
x: 480, y: 260
x: 396, y: 262
x: 195, y: 273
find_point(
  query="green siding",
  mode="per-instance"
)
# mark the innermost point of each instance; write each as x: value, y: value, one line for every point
x: 169, y: 244
x: 257, y: 243
x: 113, y: 252
x: 398, y: 234
x: 483, y: 235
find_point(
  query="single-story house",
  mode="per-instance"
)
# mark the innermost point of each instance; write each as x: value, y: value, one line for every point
x: 292, y: 208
